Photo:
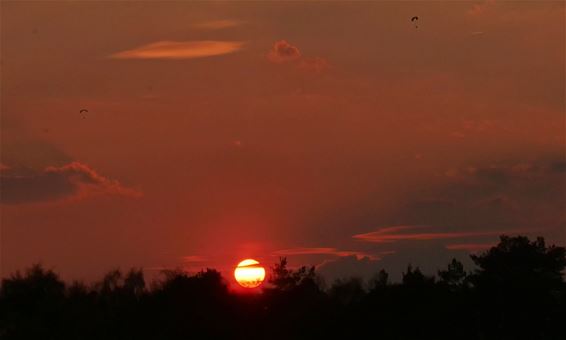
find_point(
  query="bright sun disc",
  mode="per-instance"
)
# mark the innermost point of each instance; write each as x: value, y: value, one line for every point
x: 249, y: 273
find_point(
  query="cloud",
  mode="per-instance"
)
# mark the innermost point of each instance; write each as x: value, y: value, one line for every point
x: 218, y: 24
x: 399, y: 233
x: 324, y: 251
x: 508, y: 176
x: 19, y: 151
x: 468, y: 207
x: 305, y: 251
x: 72, y: 180
x: 474, y: 204
x: 470, y: 247
x: 180, y: 50
x: 194, y: 258
x: 283, y: 52
x: 348, y: 266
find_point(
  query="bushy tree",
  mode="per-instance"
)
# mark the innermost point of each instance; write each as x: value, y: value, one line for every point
x: 347, y: 291
x: 31, y: 304
x: 283, y: 278
x: 414, y: 277
x: 519, y: 264
x: 379, y: 280
x: 454, y: 276
x: 516, y: 292
x: 520, y: 288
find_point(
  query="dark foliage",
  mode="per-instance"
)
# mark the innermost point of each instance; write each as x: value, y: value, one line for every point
x: 516, y: 292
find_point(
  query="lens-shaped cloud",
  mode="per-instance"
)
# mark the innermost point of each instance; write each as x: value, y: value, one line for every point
x: 470, y: 247
x: 404, y: 233
x: 180, y: 50
x: 325, y: 251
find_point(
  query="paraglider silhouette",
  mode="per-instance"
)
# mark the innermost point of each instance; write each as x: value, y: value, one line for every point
x: 414, y: 19
x: 83, y: 111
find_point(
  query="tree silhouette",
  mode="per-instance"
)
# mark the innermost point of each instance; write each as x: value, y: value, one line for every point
x: 347, y: 291
x: 32, y: 303
x: 414, y: 277
x: 517, y: 291
x: 520, y: 287
x: 284, y: 279
x: 519, y: 263
x: 379, y: 280
x: 111, y: 282
x: 454, y: 276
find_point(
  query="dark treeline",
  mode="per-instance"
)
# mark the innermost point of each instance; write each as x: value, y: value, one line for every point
x: 517, y: 291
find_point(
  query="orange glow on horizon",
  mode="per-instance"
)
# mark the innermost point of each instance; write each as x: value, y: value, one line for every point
x: 249, y: 274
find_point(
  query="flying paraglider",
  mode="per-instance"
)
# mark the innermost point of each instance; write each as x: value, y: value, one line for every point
x: 82, y: 111
x: 414, y: 19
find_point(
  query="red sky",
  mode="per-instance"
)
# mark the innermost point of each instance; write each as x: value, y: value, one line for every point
x: 336, y: 134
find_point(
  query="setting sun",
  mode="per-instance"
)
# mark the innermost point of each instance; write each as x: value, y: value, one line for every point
x: 249, y: 273
x: 283, y: 170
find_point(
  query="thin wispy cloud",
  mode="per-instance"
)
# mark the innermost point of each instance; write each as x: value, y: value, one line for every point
x: 305, y: 251
x: 414, y: 233
x: 326, y: 251
x: 218, y: 24
x: 180, y: 50
x: 470, y: 247
x: 194, y: 258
